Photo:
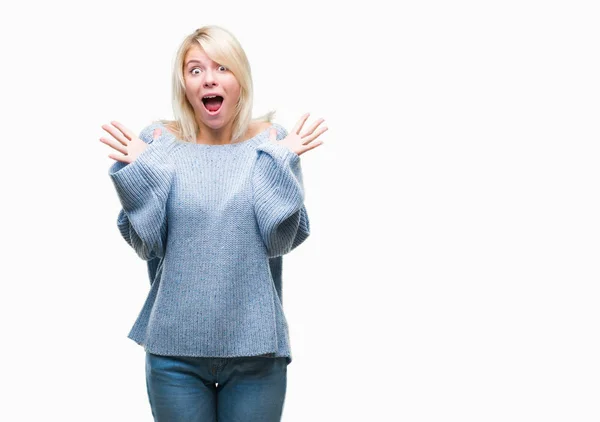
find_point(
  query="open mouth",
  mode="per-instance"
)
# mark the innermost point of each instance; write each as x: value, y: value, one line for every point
x: 213, y: 103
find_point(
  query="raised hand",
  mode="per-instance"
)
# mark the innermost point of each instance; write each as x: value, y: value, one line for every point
x: 127, y: 143
x: 300, y: 143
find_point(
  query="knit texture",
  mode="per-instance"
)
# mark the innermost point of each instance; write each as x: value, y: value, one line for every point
x: 212, y: 222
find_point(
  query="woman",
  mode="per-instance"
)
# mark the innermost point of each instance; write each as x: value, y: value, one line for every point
x: 212, y: 200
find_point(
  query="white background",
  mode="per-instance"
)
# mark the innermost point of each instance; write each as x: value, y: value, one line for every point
x: 452, y: 271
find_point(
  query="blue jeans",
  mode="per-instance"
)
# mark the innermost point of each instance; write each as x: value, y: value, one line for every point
x: 182, y: 389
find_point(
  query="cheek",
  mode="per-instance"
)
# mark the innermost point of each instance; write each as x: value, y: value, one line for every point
x: 233, y: 86
x: 191, y: 89
x: 193, y: 99
x: 234, y: 94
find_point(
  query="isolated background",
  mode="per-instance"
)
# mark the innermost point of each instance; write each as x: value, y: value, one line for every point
x: 452, y: 271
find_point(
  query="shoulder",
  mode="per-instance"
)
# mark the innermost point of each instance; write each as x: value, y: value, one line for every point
x: 151, y: 132
x: 172, y: 127
x: 157, y: 130
x: 257, y: 127
x: 262, y: 126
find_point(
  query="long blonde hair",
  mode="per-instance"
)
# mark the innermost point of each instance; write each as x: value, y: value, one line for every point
x: 222, y: 47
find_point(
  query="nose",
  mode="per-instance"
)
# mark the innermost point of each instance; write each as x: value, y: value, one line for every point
x: 209, y: 79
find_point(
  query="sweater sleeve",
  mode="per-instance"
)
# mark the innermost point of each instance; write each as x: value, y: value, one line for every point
x: 279, y: 197
x: 143, y: 187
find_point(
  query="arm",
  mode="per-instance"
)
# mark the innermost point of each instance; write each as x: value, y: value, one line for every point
x: 279, y: 198
x: 143, y: 187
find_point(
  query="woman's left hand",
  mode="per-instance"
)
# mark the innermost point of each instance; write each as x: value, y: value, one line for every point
x: 304, y: 142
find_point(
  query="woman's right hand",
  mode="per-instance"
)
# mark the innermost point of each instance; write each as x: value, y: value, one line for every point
x: 126, y: 142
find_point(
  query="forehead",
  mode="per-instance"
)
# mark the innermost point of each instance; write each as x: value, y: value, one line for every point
x: 196, y: 54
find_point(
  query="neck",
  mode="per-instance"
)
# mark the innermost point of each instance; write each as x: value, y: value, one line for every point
x: 212, y: 136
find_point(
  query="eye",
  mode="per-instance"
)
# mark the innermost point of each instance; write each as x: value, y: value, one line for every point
x: 197, y: 68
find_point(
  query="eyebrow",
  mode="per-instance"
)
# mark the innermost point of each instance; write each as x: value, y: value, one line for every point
x: 198, y: 61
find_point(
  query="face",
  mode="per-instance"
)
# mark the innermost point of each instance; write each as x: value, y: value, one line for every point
x: 204, y: 77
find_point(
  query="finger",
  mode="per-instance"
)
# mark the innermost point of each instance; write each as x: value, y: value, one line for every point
x: 128, y: 134
x: 309, y: 138
x: 311, y: 146
x: 314, y: 145
x: 121, y: 158
x: 157, y: 133
x: 314, y: 126
x: 273, y: 134
x: 300, y: 123
x: 115, y: 145
x: 116, y: 134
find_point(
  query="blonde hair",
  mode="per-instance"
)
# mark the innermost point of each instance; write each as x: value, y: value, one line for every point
x: 222, y: 47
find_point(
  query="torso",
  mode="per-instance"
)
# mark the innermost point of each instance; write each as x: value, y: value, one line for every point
x: 254, y: 129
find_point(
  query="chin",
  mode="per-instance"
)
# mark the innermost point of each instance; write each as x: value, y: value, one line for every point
x: 215, y: 124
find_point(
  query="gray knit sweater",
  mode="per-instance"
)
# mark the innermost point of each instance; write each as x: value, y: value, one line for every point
x: 212, y: 222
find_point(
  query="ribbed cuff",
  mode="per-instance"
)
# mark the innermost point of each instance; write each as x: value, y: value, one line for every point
x: 149, y: 174
x: 279, y: 151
